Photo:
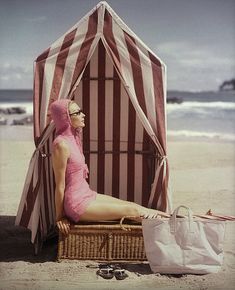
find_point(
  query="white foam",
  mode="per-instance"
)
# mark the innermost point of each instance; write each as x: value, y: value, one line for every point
x: 201, y: 134
x: 185, y: 106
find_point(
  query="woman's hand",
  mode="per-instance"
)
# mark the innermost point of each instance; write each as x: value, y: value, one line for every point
x: 63, y: 226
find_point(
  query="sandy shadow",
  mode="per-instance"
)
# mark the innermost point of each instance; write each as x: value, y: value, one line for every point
x: 139, y: 268
x: 15, y: 244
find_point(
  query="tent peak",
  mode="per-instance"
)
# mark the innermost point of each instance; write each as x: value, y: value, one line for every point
x: 103, y: 3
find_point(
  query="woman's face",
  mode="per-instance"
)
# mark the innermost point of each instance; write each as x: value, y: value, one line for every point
x: 76, y: 115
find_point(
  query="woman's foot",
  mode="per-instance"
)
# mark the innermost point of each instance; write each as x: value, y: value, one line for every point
x: 158, y: 213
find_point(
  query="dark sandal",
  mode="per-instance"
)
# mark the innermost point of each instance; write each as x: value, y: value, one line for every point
x: 106, y: 273
x: 108, y: 265
x: 120, y: 274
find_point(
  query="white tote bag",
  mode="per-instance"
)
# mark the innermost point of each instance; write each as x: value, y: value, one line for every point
x: 179, y: 245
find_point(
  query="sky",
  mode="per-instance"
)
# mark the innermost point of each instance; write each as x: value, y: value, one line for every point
x: 194, y: 38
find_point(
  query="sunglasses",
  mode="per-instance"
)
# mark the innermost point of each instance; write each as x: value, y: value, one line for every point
x: 76, y: 113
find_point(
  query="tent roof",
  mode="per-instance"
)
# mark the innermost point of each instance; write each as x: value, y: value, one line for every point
x: 102, y: 5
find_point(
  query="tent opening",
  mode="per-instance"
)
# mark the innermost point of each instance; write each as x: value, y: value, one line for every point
x: 119, y: 152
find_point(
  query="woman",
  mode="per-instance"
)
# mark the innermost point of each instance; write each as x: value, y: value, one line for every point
x: 74, y: 199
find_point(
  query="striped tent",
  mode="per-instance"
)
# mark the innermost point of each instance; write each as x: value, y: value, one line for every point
x: 120, y: 84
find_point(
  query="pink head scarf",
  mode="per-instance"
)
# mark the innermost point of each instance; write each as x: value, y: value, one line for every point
x: 60, y: 115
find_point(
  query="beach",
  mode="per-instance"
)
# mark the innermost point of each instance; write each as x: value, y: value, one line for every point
x: 202, y: 175
x: 154, y: 87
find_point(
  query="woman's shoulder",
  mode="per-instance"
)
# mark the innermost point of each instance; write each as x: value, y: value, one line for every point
x: 60, y: 151
x: 60, y: 144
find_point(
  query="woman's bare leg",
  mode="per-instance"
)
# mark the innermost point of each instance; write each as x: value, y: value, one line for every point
x: 106, y: 207
x: 142, y: 209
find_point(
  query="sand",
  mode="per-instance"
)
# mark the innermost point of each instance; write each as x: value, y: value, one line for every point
x: 202, y: 177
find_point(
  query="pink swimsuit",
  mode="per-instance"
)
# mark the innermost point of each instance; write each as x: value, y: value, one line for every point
x: 77, y: 194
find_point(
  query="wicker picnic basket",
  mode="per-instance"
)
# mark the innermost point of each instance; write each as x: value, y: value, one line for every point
x: 105, y: 241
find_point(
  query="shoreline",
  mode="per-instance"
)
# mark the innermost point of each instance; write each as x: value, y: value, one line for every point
x: 25, y: 133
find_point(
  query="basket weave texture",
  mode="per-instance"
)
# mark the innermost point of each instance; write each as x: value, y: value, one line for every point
x: 106, y: 241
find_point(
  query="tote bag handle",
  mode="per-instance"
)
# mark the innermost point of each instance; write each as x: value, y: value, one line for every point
x: 173, y: 219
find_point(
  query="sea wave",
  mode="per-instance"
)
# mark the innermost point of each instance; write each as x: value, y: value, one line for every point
x: 185, y: 106
x: 202, y: 134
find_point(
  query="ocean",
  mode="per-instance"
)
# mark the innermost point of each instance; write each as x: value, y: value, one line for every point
x: 200, y: 115
x: 209, y: 115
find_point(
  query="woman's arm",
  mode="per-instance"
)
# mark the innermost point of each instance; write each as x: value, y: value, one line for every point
x: 60, y: 156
